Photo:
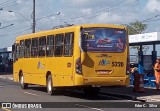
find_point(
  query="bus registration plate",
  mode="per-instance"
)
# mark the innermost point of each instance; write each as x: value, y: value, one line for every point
x: 104, y: 71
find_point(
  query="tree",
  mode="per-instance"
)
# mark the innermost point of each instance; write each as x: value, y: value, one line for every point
x: 136, y: 27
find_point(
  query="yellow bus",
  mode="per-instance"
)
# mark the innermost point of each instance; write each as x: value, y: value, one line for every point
x: 85, y: 56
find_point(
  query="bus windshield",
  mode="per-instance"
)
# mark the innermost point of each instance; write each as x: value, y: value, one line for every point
x: 103, y: 40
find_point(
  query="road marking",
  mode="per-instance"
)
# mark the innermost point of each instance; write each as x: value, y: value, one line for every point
x: 5, y: 109
x: 2, y: 77
x: 31, y: 94
x: 10, y: 78
x: 89, y: 107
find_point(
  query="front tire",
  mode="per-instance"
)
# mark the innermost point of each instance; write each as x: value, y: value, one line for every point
x: 23, y: 85
x: 49, y: 85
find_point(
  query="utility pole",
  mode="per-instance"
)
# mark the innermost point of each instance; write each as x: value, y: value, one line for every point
x: 34, y: 21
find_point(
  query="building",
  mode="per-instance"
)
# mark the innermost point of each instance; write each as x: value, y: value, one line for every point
x: 145, y: 62
x: 6, y: 61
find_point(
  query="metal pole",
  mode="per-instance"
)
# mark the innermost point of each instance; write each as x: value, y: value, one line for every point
x: 34, y: 21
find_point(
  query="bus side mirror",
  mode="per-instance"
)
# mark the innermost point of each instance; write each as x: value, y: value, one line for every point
x: 13, y: 47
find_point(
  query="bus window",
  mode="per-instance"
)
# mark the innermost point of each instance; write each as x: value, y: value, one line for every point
x: 59, y: 44
x: 50, y: 45
x: 68, y: 44
x: 27, y: 48
x: 34, y: 48
x: 42, y: 46
x: 16, y: 52
x: 21, y: 49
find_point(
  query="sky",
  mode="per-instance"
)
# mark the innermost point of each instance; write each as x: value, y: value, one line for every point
x: 73, y: 12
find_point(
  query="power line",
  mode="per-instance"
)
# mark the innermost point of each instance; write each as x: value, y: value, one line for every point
x: 16, y: 33
x: 4, y: 2
x: 154, y: 20
x: 6, y: 26
x: 3, y: 5
x: 10, y: 5
x: 102, y: 10
x: 96, y: 13
x: 108, y: 10
x: 58, y: 13
x: 24, y: 18
x: 148, y: 19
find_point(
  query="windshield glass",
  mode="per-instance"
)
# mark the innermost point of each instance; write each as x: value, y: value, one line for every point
x: 103, y: 39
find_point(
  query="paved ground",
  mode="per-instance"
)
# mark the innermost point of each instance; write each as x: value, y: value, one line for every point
x: 11, y: 92
x: 150, y: 94
x: 6, y: 76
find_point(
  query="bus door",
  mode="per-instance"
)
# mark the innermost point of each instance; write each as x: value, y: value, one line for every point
x: 104, y: 52
x: 15, y: 49
x: 41, y: 64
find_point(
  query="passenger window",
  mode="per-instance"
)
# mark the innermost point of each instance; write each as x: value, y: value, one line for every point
x: 17, y: 52
x: 27, y: 48
x: 42, y: 46
x: 34, y: 48
x: 59, y: 44
x: 68, y: 44
x: 50, y: 45
x: 21, y: 49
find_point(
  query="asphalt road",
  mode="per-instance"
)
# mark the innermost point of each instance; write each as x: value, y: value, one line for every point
x: 12, y: 92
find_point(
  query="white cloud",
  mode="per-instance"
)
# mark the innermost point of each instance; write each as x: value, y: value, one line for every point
x: 86, y: 11
x: 79, y: 2
x: 85, y: 3
x: 153, y: 5
x: 109, y: 18
x: 19, y: 1
x: 74, y: 12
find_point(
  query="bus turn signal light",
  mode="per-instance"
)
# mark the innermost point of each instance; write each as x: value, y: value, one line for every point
x: 78, y: 66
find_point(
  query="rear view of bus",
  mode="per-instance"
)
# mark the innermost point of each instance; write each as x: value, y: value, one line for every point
x: 104, y: 56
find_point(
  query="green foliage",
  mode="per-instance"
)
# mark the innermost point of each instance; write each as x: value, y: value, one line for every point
x: 136, y: 27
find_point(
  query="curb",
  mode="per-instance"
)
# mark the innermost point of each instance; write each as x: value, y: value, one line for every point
x: 8, y: 78
x: 123, y: 96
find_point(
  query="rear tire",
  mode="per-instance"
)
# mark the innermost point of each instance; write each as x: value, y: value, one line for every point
x: 91, y: 91
x: 23, y: 85
x: 49, y: 85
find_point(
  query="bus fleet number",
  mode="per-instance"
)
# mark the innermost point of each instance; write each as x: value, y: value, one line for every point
x: 117, y: 64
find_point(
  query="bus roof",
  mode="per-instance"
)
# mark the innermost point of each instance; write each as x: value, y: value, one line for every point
x: 68, y: 28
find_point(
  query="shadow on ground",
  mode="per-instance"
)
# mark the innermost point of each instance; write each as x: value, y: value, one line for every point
x: 129, y: 91
x: 73, y: 93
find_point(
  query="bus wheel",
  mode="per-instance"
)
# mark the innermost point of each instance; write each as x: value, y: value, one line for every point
x: 49, y: 85
x: 23, y: 85
x: 91, y: 91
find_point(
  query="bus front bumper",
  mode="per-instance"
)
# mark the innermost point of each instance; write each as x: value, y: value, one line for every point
x: 106, y: 81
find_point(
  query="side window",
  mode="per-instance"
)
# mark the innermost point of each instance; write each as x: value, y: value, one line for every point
x: 16, y: 52
x: 34, y: 48
x: 27, y: 48
x: 68, y: 44
x: 42, y: 46
x: 59, y: 44
x: 21, y: 49
x: 50, y: 45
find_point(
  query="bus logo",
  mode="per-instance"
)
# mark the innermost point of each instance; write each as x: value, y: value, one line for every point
x: 103, y: 62
x: 40, y: 65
